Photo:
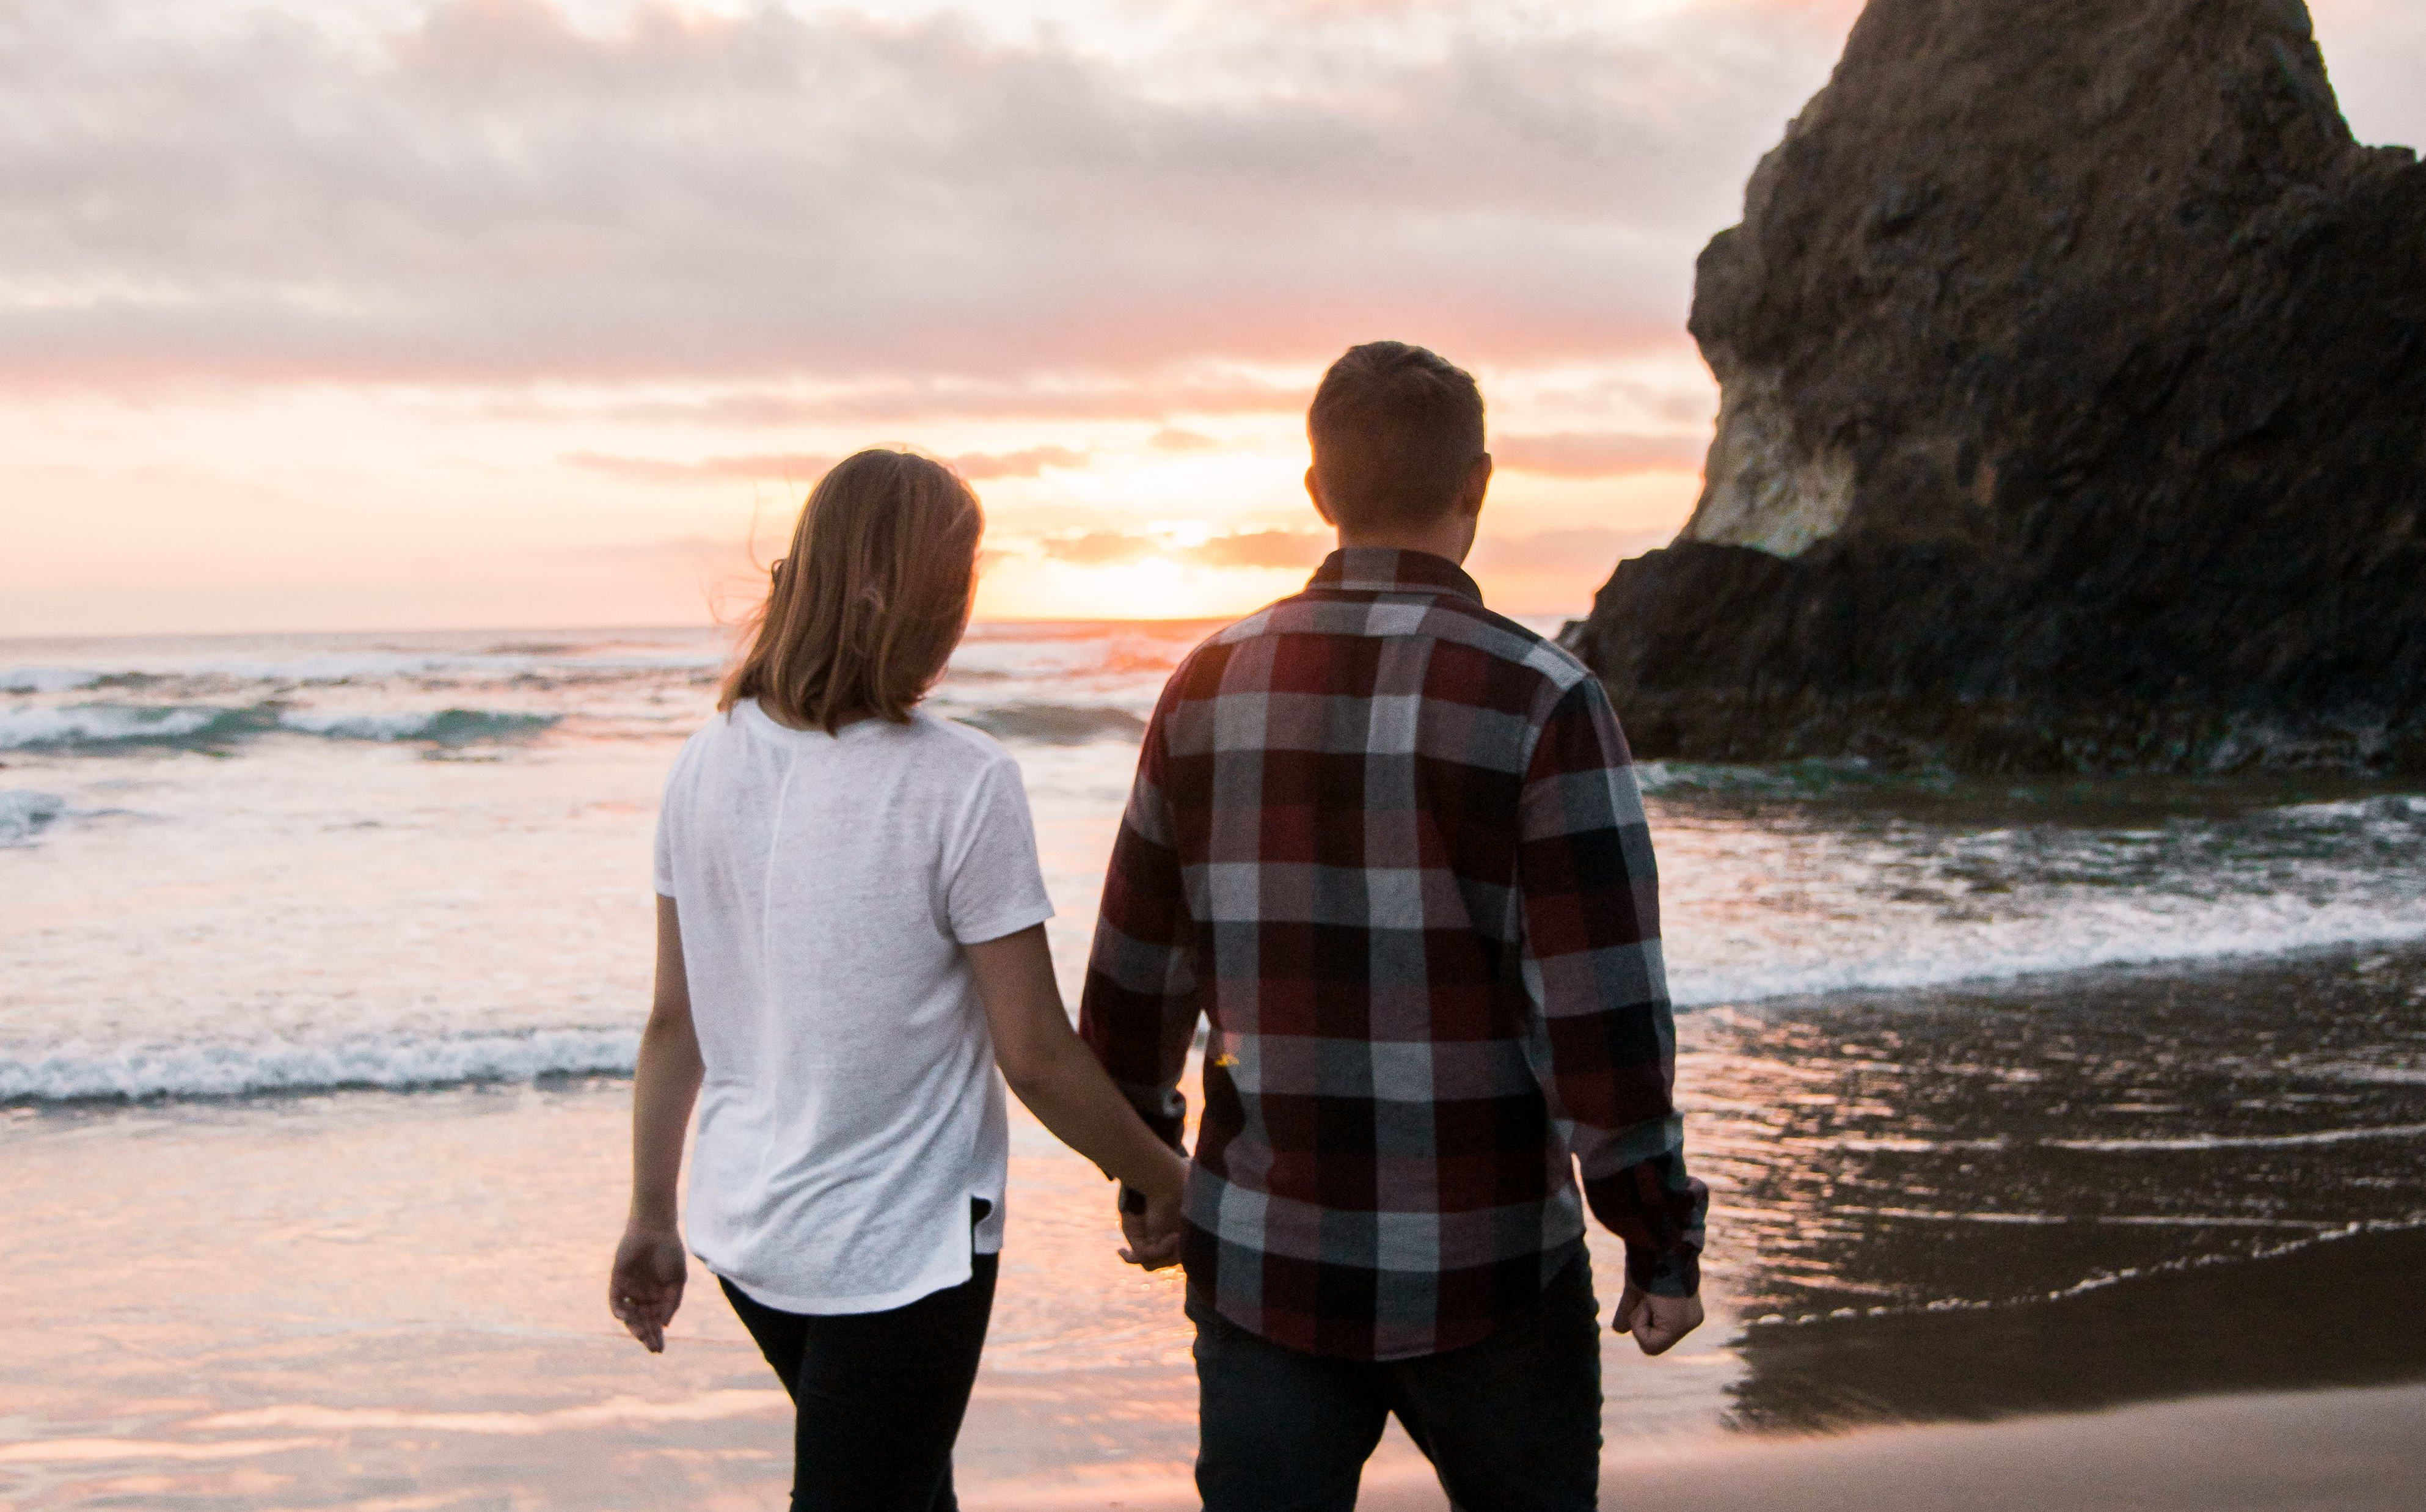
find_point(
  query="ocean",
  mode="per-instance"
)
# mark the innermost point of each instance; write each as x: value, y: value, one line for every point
x: 325, y: 957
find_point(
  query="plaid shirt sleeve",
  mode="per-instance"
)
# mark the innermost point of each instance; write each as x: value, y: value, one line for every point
x: 1137, y: 1011
x: 1604, y: 1043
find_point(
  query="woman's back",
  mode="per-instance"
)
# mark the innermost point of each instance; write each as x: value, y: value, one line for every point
x: 849, y: 1112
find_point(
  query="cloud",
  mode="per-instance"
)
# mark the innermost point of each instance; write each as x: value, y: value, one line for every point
x: 1101, y: 548
x: 1239, y: 549
x: 802, y: 467
x: 979, y: 467
x: 1560, y: 551
x: 496, y: 194
x: 1170, y: 440
x: 1152, y: 392
x: 791, y: 467
x: 1588, y: 454
x: 1263, y: 548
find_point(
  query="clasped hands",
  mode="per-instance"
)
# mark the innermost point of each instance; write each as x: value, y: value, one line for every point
x: 1150, y: 1217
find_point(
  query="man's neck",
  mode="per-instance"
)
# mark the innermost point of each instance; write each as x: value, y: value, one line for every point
x: 1450, y: 540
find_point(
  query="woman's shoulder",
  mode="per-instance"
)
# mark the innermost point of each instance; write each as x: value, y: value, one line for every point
x: 955, y: 745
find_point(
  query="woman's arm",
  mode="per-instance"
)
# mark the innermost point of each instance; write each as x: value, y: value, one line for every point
x: 1062, y: 1083
x: 646, y: 1285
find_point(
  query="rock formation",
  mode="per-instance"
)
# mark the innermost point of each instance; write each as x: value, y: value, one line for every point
x: 2073, y: 360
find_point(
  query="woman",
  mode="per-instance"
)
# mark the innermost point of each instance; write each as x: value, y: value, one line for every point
x: 849, y: 939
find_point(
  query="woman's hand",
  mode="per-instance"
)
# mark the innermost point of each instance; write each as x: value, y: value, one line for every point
x: 1154, y: 1234
x: 646, y: 1285
x: 647, y: 1282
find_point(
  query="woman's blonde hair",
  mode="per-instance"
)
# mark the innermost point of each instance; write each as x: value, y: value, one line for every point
x: 864, y: 611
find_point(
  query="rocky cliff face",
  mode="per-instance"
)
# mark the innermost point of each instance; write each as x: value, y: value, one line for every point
x: 2074, y: 369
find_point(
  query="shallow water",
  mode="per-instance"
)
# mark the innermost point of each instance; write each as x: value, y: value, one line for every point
x: 1991, y: 1081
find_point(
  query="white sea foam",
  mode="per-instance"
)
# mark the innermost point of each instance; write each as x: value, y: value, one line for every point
x: 23, y: 812
x: 233, y: 1070
x: 96, y: 724
x: 2321, y: 1136
x: 2081, y: 935
x: 106, y: 724
x: 413, y: 724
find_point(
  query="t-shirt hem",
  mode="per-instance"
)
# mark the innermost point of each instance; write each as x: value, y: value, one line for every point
x: 866, y: 1302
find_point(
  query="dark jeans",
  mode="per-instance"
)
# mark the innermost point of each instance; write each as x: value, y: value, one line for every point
x: 1512, y: 1423
x: 877, y: 1397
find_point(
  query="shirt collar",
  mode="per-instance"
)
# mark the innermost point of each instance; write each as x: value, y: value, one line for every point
x: 1388, y: 569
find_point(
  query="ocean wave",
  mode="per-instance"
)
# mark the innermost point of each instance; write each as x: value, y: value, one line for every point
x: 1780, y: 779
x: 1054, y: 724
x: 45, y: 679
x: 2125, y: 933
x: 196, y: 727
x: 23, y: 814
x: 79, y: 1075
x: 448, y: 727
x: 2393, y: 808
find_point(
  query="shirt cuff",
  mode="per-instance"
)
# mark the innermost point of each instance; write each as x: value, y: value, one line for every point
x: 1665, y: 1273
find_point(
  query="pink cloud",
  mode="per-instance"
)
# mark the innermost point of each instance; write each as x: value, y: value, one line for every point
x: 500, y: 196
x: 806, y: 467
x: 1599, y: 455
x: 979, y: 467
x: 1245, y: 549
x: 794, y: 467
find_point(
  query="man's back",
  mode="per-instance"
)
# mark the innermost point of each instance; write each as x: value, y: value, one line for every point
x: 1387, y: 843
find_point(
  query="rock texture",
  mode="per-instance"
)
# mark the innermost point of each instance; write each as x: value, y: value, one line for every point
x: 2074, y: 369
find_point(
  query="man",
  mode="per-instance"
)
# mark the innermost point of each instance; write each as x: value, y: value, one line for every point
x: 1389, y: 844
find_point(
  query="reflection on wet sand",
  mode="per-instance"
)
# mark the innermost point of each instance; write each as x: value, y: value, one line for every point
x: 2055, y: 1193
x: 2073, y: 1193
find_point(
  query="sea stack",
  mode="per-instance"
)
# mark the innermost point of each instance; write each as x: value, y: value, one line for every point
x: 2073, y: 361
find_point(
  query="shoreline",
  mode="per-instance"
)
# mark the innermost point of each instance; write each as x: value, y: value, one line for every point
x: 2081, y: 1207
x: 2106, y: 977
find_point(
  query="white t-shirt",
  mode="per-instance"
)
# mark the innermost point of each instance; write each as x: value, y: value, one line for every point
x: 850, y: 1109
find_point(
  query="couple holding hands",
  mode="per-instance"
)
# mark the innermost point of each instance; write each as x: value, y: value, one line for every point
x: 1385, y: 845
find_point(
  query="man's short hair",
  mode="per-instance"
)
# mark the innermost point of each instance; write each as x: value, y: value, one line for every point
x: 1395, y: 430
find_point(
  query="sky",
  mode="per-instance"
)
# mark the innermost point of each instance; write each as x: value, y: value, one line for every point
x: 366, y: 315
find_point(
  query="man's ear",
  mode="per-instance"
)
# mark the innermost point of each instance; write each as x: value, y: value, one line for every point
x: 1478, y: 483
x: 1314, y: 491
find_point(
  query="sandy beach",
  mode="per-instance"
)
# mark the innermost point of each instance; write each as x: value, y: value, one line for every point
x: 2323, y: 1452
x: 1932, y: 1286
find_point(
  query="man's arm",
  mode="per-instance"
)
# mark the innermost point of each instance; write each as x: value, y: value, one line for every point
x: 1605, y: 1042
x: 1137, y: 1011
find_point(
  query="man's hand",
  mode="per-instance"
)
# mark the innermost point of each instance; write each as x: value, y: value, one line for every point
x: 1655, y: 1321
x: 1153, y: 1233
x: 646, y: 1285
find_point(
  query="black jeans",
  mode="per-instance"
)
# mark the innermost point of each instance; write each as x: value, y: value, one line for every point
x: 1512, y: 1423
x: 877, y: 1397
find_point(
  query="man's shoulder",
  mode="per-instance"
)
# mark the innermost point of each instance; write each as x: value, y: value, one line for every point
x: 1451, y: 619
x: 1495, y: 635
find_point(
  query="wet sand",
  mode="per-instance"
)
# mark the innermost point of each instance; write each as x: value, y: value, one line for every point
x: 2318, y: 1452
x: 2051, y: 1220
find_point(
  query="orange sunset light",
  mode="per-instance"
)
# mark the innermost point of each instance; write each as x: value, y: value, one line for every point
x: 472, y: 314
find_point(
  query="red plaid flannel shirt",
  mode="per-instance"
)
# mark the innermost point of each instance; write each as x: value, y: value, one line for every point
x: 1389, y: 844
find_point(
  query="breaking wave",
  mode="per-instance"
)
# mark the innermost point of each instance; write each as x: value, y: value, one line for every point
x: 46, y: 679
x: 78, y: 1074
x: 197, y: 727
x: 23, y: 814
